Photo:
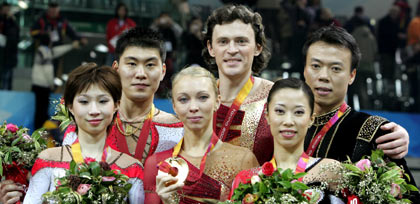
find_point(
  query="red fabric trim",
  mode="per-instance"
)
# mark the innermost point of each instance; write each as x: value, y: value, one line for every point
x: 237, y: 120
x: 40, y: 164
x: 70, y: 128
x: 132, y: 171
x: 174, y: 125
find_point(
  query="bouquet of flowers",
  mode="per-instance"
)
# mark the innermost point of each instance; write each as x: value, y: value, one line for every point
x: 62, y: 114
x: 372, y: 180
x: 274, y: 186
x: 18, y: 151
x: 90, y: 182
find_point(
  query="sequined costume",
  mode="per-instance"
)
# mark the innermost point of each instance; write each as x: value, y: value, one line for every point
x: 166, y: 131
x: 249, y: 127
x: 354, y: 134
x: 46, y: 170
x: 222, y: 164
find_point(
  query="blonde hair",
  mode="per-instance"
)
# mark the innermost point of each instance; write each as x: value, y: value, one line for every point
x: 195, y: 71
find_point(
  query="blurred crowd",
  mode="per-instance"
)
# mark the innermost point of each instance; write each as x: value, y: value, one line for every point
x: 387, y: 79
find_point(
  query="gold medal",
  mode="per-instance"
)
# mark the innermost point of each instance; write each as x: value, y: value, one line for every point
x: 176, y: 167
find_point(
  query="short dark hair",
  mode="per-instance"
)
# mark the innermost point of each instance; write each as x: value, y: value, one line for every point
x: 53, y: 4
x: 228, y: 14
x: 84, y: 76
x: 119, y: 5
x: 140, y: 37
x: 292, y: 83
x: 358, y: 9
x: 335, y: 36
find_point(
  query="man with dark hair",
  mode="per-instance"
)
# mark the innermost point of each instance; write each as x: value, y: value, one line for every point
x: 332, y: 57
x: 358, y: 19
x: 9, y: 39
x: 140, y: 129
x: 236, y: 48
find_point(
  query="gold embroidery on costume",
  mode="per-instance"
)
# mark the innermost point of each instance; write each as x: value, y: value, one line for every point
x: 370, y: 127
x: 322, y: 120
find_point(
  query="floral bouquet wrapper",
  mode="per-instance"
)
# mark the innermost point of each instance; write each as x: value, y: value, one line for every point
x: 18, y: 152
x: 374, y: 180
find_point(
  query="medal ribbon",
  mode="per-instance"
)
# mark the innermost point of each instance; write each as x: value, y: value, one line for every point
x: 300, y: 167
x: 214, y: 139
x: 317, y: 139
x: 77, y: 152
x: 243, y: 93
x: 144, y: 134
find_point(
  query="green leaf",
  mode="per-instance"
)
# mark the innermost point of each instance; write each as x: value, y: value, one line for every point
x: 285, y: 184
x: 85, y: 175
x: 16, y: 141
x: 73, y: 167
x: 1, y: 166
x: 411, y: 187
x: 287, y: 174
x: 389, y: 174
x: 7, y: 157
x: 299, y: 186
x: 299, y: 175
x: 353, y: 168
x: 263, y: 188
x: 96, y: 168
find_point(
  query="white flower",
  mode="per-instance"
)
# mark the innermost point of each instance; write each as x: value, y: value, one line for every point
x: 255, y: 179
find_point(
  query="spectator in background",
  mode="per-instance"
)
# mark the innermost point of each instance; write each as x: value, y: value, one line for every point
x: 413, y: 36
x: 43, y: 75
x: 300, y: 21
x: 358, y: 19
x: 285, y: 28
x: 325, y: 18
x: 171, y: 33
x: 389, y: 34
x: 192, y: 42
x: 369, y: 49
x: 9, y: 39
x: 313, y: 8
x: 404, y: 18
x: 115, y: 27
x: 413, y: 61
x: 57, y: 27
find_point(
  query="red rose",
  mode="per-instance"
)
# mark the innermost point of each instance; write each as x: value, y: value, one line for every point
x: 11, y: 127
x: 268, y: 169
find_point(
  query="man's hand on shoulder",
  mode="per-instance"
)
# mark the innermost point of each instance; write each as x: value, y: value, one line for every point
x: 395, y: 143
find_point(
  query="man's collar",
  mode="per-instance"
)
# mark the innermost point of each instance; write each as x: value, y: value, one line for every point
x: 324, y: 118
